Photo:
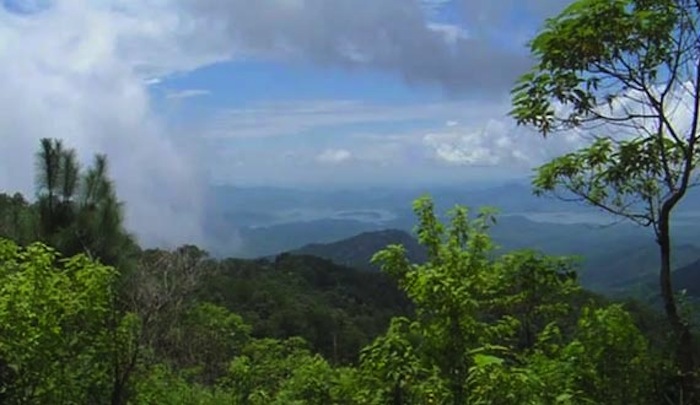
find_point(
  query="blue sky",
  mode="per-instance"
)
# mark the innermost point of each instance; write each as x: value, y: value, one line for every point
x: 341, y: 149
x: 184, y: 93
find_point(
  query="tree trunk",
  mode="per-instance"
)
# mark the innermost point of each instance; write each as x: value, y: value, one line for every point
x: 684, y: 350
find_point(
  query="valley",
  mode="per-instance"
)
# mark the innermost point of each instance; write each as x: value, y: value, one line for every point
x: 615, y: 257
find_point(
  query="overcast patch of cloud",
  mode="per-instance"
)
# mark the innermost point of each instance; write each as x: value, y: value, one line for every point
x: 493, y: 15
x: 388, y: 35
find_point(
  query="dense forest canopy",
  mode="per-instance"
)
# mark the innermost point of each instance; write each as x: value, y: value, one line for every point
x: 89, y: 316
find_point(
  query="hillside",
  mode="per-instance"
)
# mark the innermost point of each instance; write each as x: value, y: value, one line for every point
x: 688, y: 278
x: 612, y: 259
x: 358, y: 250
x: 633, y: 267
x: 337, y: 309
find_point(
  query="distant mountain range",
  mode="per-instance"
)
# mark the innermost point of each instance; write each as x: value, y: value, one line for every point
x: 358, y: 250
x: 348, y: 226
x: 606, y: 266
x: 688, y: 278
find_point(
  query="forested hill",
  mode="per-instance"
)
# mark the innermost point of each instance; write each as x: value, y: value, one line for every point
x: 337, y: 309
x: 688, y: 278
x: 357, y: 251
x: 613, y: 266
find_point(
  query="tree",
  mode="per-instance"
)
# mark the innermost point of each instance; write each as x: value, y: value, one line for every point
x: 627, y: 73
x: 159, y: 292
x: 611, y: 358
x: 449, y: 290
x: 208, y: 337
x: 17, y: 219
x: 79, y: 212
x: 258, y: 374
x: 535, y: 289
x: 502, y: 329
x: 99, y: 218
x: 54, y: 325
x: 393, y: 369
x: 56, y: 184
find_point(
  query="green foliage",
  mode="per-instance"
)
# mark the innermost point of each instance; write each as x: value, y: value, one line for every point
x: 393, y: 370
x: 312, y: 382
x: 467, y: 325
x: 18, y: 219
x: 162, y: 385
x: 338, y: 310
x: 79, y: 212
x: 623, y: 178
x: 611, y: 358
x: 501, y: 330
x: 493, y: 380
x: 625, y: 71
x: 53, y: 333
x: 258, y: 374
x: 595, y: 51
x: 533, y: 290
x: 207, y: 338
x: 621, y: 80
x: 450, y: 288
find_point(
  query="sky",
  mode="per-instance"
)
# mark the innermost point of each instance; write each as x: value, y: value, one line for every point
x: 181, y: 94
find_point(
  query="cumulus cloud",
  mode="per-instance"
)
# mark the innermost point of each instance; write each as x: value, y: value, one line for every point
x: 497, y: 142
x: 334, y: 156
x: 493, y: 138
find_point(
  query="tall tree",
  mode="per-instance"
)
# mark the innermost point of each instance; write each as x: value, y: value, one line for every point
x: 626, y: 72
x: 99, y: 218
x: 52, y: 188
x: 79, y: 212
x: 499, y: 329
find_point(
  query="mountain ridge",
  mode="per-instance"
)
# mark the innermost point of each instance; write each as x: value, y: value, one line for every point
x: 357, y: 251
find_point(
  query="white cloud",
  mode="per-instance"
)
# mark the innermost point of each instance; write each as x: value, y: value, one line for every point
x: 497, y: 141
x: 334, y: 156
x: 451, y: 33
x: 69, y: 72
x: 284, y: 118
x: 485, y: 141
x: 189, y: 93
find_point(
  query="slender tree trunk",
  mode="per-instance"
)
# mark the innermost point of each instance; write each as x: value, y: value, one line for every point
x: 681, y: 329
